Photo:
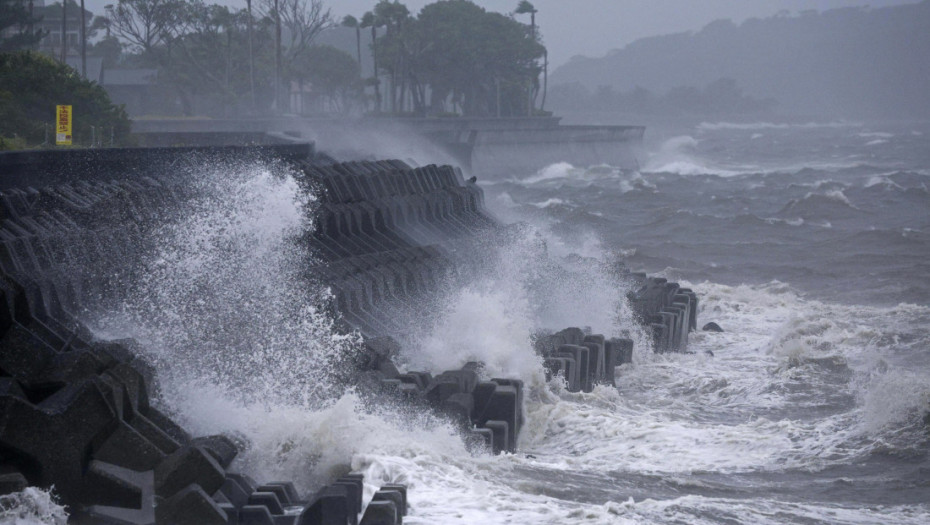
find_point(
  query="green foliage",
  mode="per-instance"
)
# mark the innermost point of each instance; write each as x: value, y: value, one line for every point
x: 32, y: 84
x: 453, y: 57
x: 455, y: 53
x: 350, y: 21
x: 107, y: 48
x: 333, y: 75
x: 330, y: 69
x: 524, y: 7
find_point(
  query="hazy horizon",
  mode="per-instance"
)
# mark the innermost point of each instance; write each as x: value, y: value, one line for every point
x: 593, y: 28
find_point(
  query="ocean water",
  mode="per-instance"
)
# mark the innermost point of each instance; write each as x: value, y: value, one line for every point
x: 807, y: 243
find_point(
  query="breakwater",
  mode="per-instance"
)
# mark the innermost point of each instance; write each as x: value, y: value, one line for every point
x: 81, y: 413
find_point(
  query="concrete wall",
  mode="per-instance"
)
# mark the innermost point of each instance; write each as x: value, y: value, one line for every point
x: 38, y: 168
x: 487, y: 147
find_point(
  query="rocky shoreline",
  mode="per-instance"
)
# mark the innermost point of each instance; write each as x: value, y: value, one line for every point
x: 81, y: 414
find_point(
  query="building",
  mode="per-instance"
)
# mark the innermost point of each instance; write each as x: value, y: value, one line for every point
x: 50, y: 24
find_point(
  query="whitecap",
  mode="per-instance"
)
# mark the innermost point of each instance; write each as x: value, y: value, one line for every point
x: 559, y: 170
x: 713, y: 126
x: 553, y: 201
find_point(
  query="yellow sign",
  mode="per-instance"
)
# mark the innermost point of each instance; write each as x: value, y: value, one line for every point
x: 63, y: 123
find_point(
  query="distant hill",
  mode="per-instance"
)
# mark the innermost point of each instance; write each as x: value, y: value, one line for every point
x: 851, y: 62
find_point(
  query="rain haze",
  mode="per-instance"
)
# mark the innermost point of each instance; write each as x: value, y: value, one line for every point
x: 594, y: 27
x: 626, y: 262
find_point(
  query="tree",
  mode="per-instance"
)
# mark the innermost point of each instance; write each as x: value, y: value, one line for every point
x: 525, y: 7
x: 394, y: 16
x: 303, y: 20
x: 145, y: 24
x: 14, y: 14
x: 109, y: 49
x: 32, y: 84
x: 334, y: 76
x: 481, y: 62
x: 204, y: 60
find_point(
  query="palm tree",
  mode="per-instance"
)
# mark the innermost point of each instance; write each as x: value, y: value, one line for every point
x: 351, y: 21
x: 64, y: 31
x: 393, y: 15
x: 524, y: 7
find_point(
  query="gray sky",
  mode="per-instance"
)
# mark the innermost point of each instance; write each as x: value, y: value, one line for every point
x: 594, y: 27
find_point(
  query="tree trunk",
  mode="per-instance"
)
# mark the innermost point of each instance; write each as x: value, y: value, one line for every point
x: 374, y: 60
x: 542, y: 106
x: 358, y: 46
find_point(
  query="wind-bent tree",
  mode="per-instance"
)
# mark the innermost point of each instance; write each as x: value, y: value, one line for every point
x: 523, y: 8
x: 17, y: 26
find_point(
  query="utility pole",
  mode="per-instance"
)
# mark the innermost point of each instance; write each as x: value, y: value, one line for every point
x: 32, y: 30
x: 83, y: 43
x: 64, y: 30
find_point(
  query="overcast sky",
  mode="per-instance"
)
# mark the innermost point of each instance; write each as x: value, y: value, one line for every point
x: 594, y: 27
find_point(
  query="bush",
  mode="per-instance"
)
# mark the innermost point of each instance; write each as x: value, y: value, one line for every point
x: 32, y: 84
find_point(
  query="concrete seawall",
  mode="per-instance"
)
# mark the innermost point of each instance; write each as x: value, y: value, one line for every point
x: 486, y: 147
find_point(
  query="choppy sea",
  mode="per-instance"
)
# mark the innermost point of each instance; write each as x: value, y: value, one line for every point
x: 807, y: 243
